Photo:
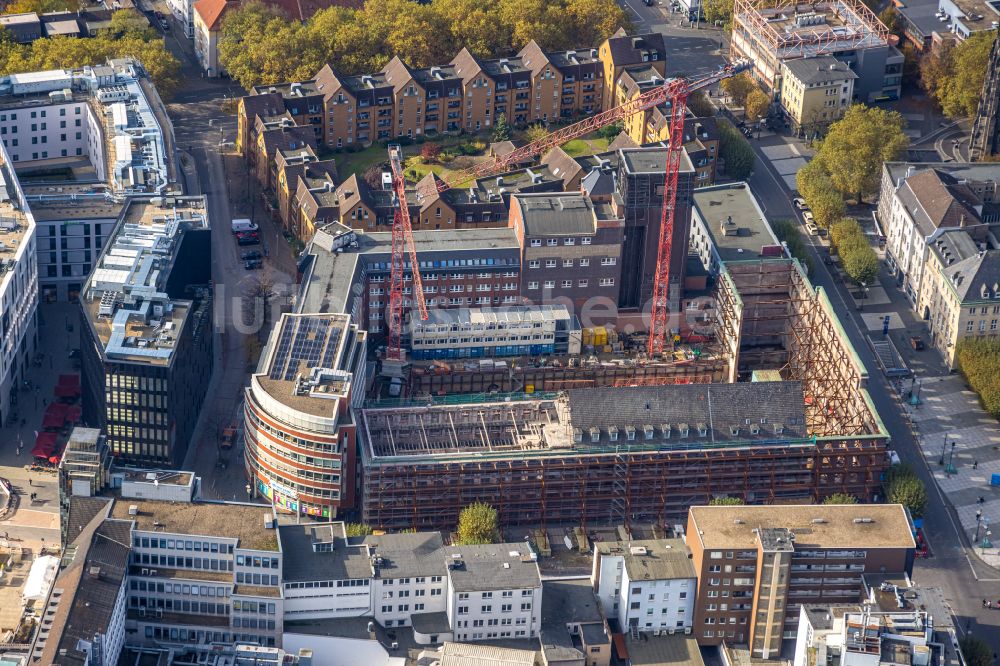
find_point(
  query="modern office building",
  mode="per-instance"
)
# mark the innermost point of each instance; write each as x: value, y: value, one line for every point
x: 758, y: 565
x: 18, y: 288
x: 299, y: 431
x: 107, y: 127
x: 146, y: 329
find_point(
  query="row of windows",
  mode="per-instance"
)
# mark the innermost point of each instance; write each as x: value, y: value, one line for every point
x: 260, y: 607
x: 362, y: 582
x: 552, y: 242
x: 255, y: 579
x: 178, y: 588
x: 566, y: 284
x: 257, y: 561
x: 180, y: 606
x: 203, y: 563
x: 253, y: 623
x: 566, y: 263
x: 36, y: 114
x: 488, y: 608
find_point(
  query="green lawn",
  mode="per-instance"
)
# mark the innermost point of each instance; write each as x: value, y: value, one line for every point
x: 351, y: 163
x: 588, y: 145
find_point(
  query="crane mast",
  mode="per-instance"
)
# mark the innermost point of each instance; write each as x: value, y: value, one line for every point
x: 674, y: 92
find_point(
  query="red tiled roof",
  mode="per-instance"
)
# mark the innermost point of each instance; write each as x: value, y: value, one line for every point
x: 211, y: 12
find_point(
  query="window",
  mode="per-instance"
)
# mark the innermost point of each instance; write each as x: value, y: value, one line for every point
x: 569, y: 241
x: 567, y: 284
x: 608, y: 261
x: 534, y: 263
x: 585, y: 240
x: 552, y: 242
x: 550, y: 263
x: 550, y: 284
x: 584, y: 262
x: 607, y: 282
x: 582, y: 283
x: 532, y: 285
x: 536, y: 242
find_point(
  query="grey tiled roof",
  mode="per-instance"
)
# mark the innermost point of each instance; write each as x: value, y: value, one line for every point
x: 819, y: 70
x: 976, y: 278
x: 716, y: 407
x: 502, y: 566
x: 82, y: 510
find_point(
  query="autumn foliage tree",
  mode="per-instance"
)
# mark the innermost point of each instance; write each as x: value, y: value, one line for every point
x: 978, y: 359
x: 477, y: 524
x: 258, y: 45
x: 856, y: 146
x: 127, y: 36
x: 954, y: 76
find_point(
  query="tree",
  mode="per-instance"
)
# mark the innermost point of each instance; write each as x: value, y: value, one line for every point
x: 611, y: 131
x: 827, y: 205
x: 958, y: 92
x: 735, y: 150
x: 757, y: 105
x: 501, y: 129
x: 891, y: 19
x: 373, y: 176
x: 976, y: 651
x: 978, y: 360
x: 840, y: 498
x: 844, y: 232
x: 41, y: 6
x: 856, y: 146
x: 726, y: 501
x: 738, y: 87
x: 357, y: 529
x: 699, y: 104
x: 430, y: 152
x: 535, y: 132
x: 718, y: 10
x: 860, y: 263
x: 904, y: 487
x: 787, y: 231
x: 477, y: 524
x: 934, y: 70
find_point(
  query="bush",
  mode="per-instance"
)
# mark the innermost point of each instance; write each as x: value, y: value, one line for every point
x: 840, y: 498
x: 904, y: 487
x: 357, y: 529
x: 735, y: 150
x: 978, y: 361
x: 726, y: 501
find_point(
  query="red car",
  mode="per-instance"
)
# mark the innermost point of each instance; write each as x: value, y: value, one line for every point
x: 248, y: 238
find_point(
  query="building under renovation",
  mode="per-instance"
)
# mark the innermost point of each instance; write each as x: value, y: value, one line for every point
x: 563, y: 457
x: 770, y: 33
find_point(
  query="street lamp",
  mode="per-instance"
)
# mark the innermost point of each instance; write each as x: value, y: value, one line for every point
x: 249, y: 490
x: 864, y: 294
x: 944, y: 445
x: 950, y: 467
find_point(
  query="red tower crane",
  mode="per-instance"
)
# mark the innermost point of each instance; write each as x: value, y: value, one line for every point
x: 674, y: 92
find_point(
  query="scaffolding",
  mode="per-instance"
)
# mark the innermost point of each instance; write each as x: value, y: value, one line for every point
x: 521, y: 454
x: 790, y: 30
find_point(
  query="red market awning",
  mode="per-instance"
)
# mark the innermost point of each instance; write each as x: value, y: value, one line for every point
x: 69, y: 380
x: 53, y: 422
x: 45, y: 445
x: 74, y: 413
x: 63, y: 391
x: 57, y: 409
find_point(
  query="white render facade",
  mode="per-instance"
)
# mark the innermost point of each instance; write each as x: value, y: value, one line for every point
x: 649, y: 586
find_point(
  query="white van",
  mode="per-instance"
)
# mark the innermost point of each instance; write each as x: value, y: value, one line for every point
x: 242, y: 225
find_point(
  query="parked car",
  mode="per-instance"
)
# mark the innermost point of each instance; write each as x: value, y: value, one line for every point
x: 248, y: 238
x: 812, y: 229
x: 800, y: 203
x: 164, y: 25
x: 251, y: 254
x: 253, y: 264
x: 243, y: 225
x: 808, y: 216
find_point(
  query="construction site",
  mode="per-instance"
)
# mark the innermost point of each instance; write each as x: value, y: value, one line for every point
x: 769, y: 33
x: 774, y: 409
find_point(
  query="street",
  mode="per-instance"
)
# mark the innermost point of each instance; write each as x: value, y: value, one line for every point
x: 965, y: 580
